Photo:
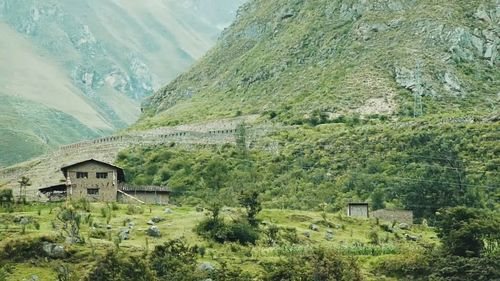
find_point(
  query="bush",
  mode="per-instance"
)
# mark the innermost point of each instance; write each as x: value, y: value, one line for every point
x: 174, y: 260
x: 433, y: 266
x: 112, y: 267
x: 24, y: 249
x: 318, y: 264
x: 219, y: 231
x: 97, y: 233
x: 134, y: 210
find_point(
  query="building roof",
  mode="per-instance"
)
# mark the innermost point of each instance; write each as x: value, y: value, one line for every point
x: 121, y: 174
x: 128, y: 188
x: 358, y: 204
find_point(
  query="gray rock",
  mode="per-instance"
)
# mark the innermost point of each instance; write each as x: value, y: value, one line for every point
x: 24, y: 221
x: 313, y: 227
x: 411, y: 237
x: 206, y: 266
x: 307, y: 234
x: 109, y: 226
x: 150, y: 222
x: 329, y: 231
x: 153, y: 231
x: 35, y: 277
x: 157, y: 219
x: 451, y: 82
x: 404, y: 226
x: 329, y: 236
x: 53, y: 250
x: 131, y: 225
x: 124, y: 234
x: 168, y: 211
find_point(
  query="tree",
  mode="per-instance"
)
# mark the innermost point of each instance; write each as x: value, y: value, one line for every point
x: 377, y: 197
x: 468, y: 232
x: 251, y: 202
x: 71, y: 220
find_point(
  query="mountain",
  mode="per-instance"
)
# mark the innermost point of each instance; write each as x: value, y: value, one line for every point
x: 390, y: 102
x: 298, y: 59
x: 74, y: 70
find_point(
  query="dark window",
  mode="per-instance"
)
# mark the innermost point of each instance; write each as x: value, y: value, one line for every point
x: 101, y: 175
x: 93, y: 191
x: 82, y: 175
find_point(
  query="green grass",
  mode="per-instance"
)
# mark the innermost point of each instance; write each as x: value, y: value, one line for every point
x: 180, y: 224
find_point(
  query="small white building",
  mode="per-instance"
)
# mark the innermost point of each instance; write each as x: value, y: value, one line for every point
x: 357, y: 210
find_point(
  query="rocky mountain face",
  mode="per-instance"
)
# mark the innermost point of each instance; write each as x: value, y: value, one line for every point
x: 296, y: 60
x: 78, y: 69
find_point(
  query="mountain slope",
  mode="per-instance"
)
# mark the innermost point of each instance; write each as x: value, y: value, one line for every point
x: 95, y: 60
x: 294, y: 59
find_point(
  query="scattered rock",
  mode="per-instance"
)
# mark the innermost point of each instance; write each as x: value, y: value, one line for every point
x: 206, y: 266
x: 411, y: 237
x: 153, y: 231
x: 329, y: 231
x: 24, y: 221
x: 131, y: 225
x: 168, y: 211
x: 313, y: 227
x: 109, y: 226
x: 157, y: 219
x: 404, y: 226
x: 53, y: 250
x: 307, y: 234
x: 124, y: 234
x: 150, y: 222
x: 329, y: 236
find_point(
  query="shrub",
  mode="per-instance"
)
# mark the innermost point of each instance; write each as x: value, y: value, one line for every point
x: 112, y: 267
x: 134, y: 210
x: 318, y: 264
x: 219, y: 231
x: 174, y: 260
x: 97, y: 233
x: 24, y: 249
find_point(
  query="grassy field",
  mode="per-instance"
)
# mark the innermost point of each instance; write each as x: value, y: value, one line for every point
x: 350, y: 236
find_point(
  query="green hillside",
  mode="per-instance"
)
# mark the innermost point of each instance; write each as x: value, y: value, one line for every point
x: 296, y: 58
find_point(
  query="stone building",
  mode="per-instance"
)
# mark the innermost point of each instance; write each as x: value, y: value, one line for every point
x: 401, y: 216
x: 93, y: 180
x: 358, y: 210
x: 146, y: 194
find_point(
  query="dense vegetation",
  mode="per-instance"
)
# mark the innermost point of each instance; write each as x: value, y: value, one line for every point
x: 420, y: 165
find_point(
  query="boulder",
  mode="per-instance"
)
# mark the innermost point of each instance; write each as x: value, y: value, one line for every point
x: 313, y: 227
x: 404, y: 226
x: 157, y: 219
x: 411, y: 237
x: 168, y: 211
x: 206, y: 266
x: 53, y: 250
x: 124, y: 234
x: 151, y: 222
x: 329, y: 236
x: 153, y: 231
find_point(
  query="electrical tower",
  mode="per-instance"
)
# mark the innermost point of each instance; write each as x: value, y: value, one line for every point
x: 417, y: 93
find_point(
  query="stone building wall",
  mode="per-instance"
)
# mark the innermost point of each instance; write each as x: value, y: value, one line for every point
x: 401, y: 216
x: 45, y: 171
x: 107, y: 187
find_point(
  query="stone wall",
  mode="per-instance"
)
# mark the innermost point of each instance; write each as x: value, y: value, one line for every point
x: 45, y: 171
x: 401, y: 216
